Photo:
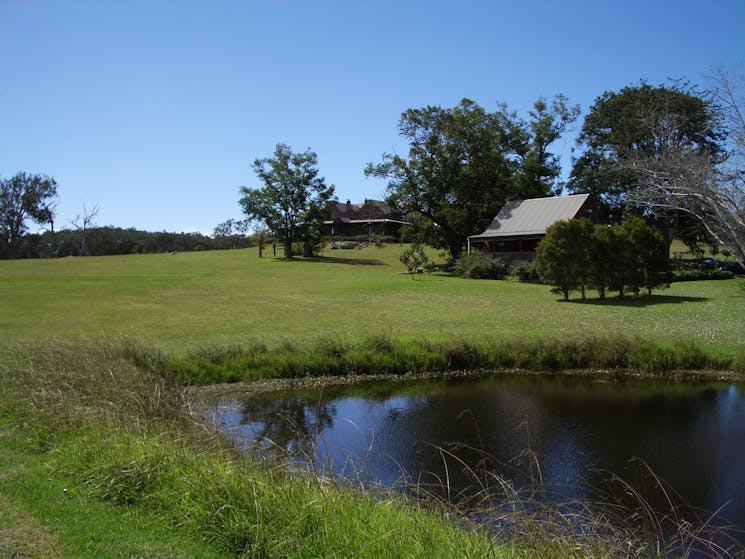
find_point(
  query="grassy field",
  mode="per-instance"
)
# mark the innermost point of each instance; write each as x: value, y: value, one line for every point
x: 186, y: 301
x: 98, y: 458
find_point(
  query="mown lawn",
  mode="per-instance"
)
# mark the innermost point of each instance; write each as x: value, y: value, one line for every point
x: 184, y: 301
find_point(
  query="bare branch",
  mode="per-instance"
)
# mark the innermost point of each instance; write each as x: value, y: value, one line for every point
x: 684, y: 179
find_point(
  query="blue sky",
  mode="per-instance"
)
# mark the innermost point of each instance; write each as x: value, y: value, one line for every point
x: 154, y: 110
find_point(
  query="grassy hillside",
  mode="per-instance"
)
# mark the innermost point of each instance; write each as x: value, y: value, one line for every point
x: 189, y: 300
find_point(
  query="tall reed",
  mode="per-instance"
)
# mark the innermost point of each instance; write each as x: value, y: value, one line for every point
x: 380, y: 354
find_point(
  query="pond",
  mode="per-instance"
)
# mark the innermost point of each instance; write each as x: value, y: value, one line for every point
x: 573, y: 438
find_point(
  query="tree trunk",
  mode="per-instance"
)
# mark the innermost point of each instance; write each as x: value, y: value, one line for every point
x: 455, y: 249
x: 288, y: 249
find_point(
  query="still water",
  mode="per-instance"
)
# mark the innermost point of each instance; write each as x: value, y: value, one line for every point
x: 570, y: 434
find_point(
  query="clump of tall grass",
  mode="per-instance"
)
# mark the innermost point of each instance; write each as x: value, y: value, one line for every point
x: 244, y: 509
x: 123, y: 435
x: 73, y: 384
x: 381, y: 354
x: 521, y: 509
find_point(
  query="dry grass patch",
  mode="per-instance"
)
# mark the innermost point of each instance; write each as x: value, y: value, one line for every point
x: 21, y: 536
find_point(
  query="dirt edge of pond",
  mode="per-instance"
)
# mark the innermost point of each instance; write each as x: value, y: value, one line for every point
x: 215, y: 392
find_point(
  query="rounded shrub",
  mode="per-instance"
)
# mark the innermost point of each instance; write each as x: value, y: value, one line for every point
x: 523, y: 270
x: 696, y: 275
x: 478, y: 265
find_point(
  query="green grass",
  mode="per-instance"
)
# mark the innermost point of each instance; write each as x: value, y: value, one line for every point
x: 380, y: 354
x: 187, y: 301
x: 144, y: 481
x: 46, y: 514
x: 98, y: 459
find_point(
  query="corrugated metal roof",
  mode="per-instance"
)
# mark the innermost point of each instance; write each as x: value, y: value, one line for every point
x: 532, y: 216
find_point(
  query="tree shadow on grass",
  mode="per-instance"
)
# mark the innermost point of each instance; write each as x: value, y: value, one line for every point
x: 639, y: 301
x: 332, y: 260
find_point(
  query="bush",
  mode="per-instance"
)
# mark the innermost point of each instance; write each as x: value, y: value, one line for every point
x: 524, y: 271
x: 695, y: 275
x: 414, y: 258
x: 478, y: 265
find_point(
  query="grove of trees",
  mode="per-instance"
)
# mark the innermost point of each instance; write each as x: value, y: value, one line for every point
x: 464, y: 163
x: 108, y: 240
x: 576, y: 255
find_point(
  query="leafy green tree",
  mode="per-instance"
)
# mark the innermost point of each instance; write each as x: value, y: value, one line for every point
x: 650, y: 255
x: 458, y: 172
x: 619, y: 123
x: 24, y: 197
x: 293, y: 200
x: 606, y: 257
x: 539, y: 168
x: 413, y: 258
x: 464, y: 163
x: 563, y: 256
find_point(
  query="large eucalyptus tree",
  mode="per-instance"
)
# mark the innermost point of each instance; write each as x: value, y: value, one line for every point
x: 293, y: 199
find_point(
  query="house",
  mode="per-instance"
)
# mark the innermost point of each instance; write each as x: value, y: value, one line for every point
x: 372, y: 217
x: 521, y: 224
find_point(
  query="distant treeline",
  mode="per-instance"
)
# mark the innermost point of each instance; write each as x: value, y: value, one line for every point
x: 102, y: 241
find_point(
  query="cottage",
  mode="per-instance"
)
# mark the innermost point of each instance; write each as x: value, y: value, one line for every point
x: 373, y: 217
x: 521, y: 224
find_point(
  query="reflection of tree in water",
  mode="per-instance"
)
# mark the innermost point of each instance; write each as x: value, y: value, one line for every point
x: 292, y: 424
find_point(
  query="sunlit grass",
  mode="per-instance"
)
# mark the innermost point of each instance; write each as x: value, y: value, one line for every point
x: 77, y: 414
x: 101, y: 459
x: 382, y: 354
x: 185, y: 301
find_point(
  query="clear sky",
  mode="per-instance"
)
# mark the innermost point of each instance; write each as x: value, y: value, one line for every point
x: 154, y: 110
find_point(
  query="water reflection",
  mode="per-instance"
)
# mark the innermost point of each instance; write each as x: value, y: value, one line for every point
x: 291, y: 424
x: 567, y: 432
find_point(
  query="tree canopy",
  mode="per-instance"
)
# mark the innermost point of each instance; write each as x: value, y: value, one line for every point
x: 684, y: 178
x: 539, y: 168
x: 293, y: 199
x: 563, y: 256
x: 576, y: 254
x: 24, y: 197
x: 464, y: 163
x: 621, y: 123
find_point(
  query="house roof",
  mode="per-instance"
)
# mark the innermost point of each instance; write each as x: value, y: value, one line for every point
x: 533, y: 216
x: 374, y: 220
x: 343, y: 207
